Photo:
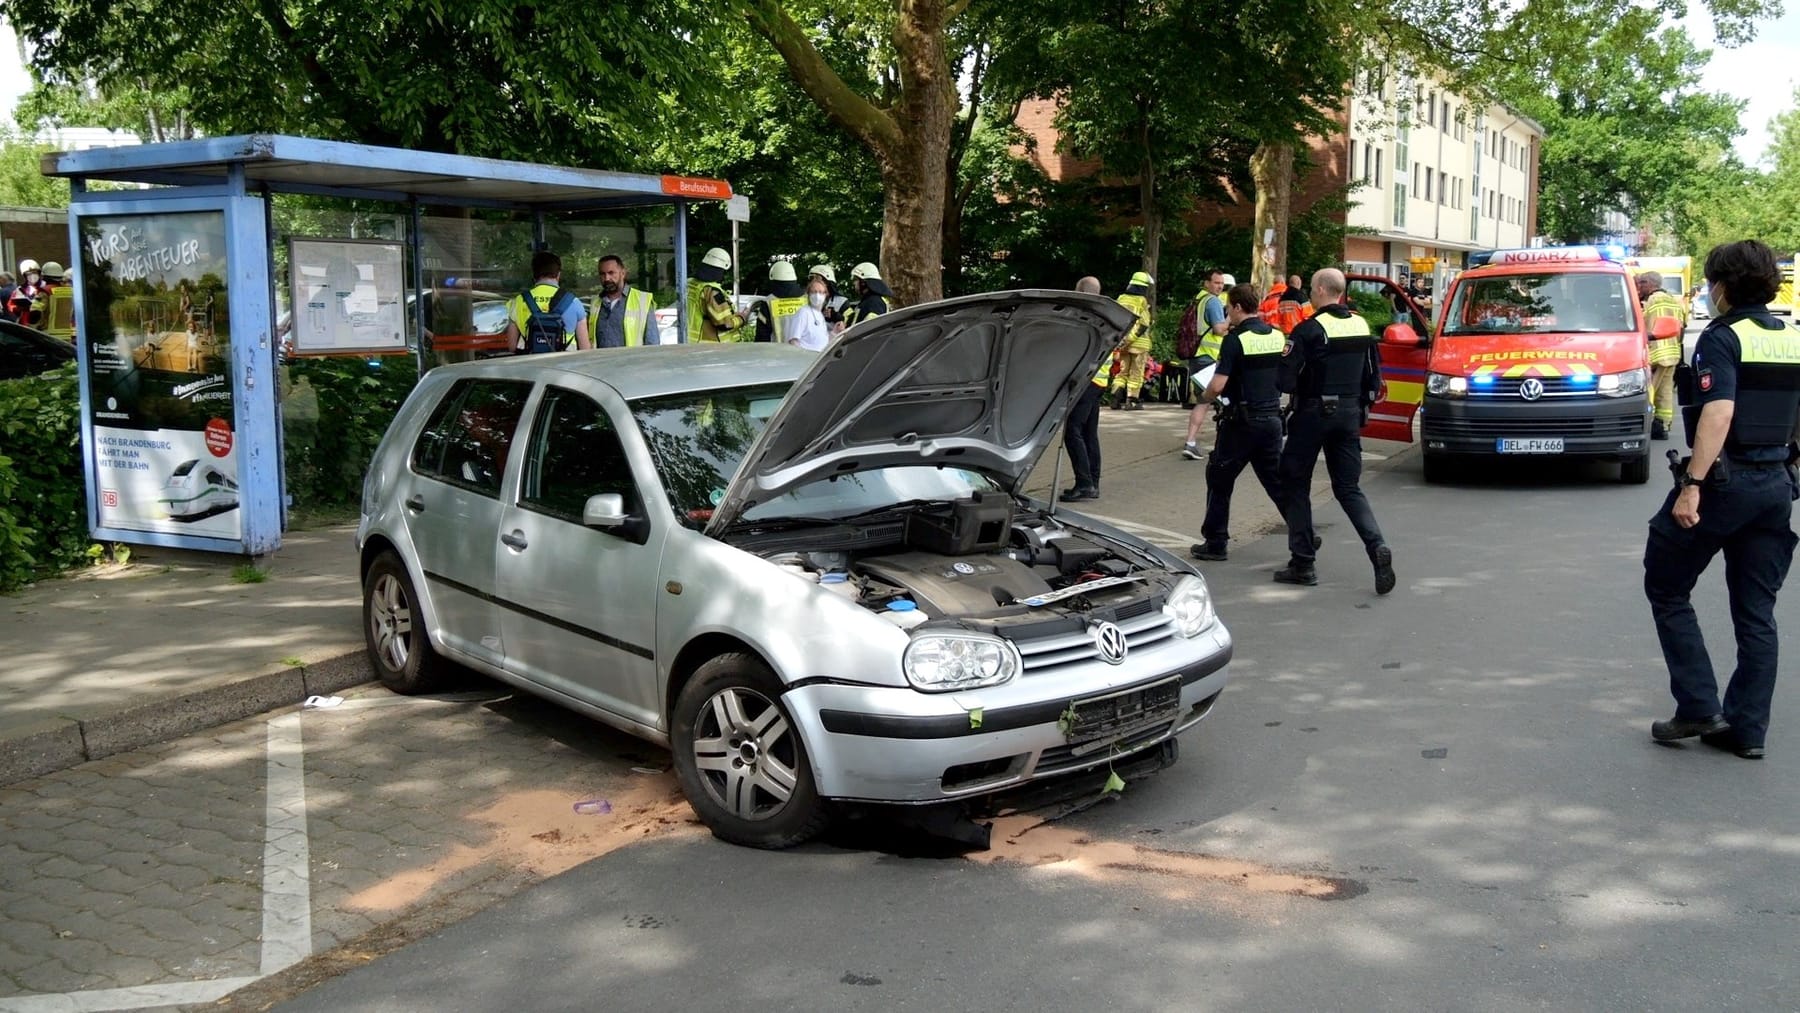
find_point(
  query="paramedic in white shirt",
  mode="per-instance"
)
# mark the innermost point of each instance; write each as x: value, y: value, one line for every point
x: 807, y: 328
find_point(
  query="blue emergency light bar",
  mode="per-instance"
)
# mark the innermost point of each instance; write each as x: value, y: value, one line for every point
x: 1548, y: 255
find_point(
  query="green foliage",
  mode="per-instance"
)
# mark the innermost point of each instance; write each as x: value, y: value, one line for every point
x: 561, y: 81
x: 328, y: 450
x: 43, y: 503
x: 1374, y: 307
x: 22, y: 184
x: 248, y: 573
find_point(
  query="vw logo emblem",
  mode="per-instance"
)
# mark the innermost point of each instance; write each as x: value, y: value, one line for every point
x: 1111, y: 642
x: 964, y: 568
x: 1531, y: 389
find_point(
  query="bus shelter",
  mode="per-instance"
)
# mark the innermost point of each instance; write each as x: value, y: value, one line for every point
x: 188, y: 293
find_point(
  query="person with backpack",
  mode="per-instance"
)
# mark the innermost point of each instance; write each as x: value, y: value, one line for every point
x: 546, y: 317
x: 1198, y: 340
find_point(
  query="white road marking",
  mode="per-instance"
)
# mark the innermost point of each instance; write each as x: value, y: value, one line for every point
x: 287, y: 871
x: 180, y: 993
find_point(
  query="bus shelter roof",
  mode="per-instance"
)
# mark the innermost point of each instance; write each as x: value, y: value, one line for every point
x: 278, y: 163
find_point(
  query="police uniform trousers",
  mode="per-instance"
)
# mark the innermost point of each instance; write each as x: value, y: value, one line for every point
x: 1081, y: 435
x: 1339, y: 435
x: 1252, y: 441
x: 1746, y: 518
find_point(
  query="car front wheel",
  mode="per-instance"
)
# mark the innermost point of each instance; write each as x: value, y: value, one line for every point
x: 740, y: 758
x: 399, y: 648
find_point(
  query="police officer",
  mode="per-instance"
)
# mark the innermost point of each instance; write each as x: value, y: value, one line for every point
x: 710, y: 316
x: 1741, y: 402
x: 1246, y: 390
x: 1333, y: 369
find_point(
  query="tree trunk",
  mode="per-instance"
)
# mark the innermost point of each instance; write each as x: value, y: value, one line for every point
x: 1272, y: 170
x: 910, y: 142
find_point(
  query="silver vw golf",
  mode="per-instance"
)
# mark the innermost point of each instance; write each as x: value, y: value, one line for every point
x: 813, y: 577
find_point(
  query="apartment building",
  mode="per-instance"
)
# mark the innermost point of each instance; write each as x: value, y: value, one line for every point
x: 1434, y: 176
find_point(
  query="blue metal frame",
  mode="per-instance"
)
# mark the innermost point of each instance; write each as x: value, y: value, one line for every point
x: 226, y: 175
x: 255, y: 427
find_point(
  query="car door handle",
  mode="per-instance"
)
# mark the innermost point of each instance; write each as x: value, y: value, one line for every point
x: 416, y: 504
x: 514, y: 539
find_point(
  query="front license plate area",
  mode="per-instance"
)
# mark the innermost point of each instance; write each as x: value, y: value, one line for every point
x: 1536, y: 445
x: 1121, y: 713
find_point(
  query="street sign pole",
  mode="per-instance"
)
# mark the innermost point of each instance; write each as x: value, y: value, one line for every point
x: 738, y: 210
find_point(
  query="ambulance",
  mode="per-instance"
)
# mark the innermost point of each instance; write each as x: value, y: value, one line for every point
x: 1538, y: 353
x: 1677, y: 273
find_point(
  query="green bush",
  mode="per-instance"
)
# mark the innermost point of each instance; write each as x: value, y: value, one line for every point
x: 1374, y: 307
x: 328, y: 449
x: 43, y: 496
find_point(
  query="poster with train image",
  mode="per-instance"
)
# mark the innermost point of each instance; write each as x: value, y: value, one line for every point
x: 158, y: 334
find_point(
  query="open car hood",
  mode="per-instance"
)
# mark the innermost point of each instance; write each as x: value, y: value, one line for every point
x: 982, y: 382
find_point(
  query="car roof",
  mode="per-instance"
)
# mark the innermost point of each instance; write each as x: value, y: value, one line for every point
x: 656, y: 370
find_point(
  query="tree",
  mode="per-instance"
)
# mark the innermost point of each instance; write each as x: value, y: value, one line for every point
x: 22, y: 183
x: 1622, y: 115
x: 561, y: 80
x: 904, y: 120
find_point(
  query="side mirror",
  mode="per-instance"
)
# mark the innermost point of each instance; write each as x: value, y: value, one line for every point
x: 1663, y: 328
x: 1401, y: 336
x: 605, y: 511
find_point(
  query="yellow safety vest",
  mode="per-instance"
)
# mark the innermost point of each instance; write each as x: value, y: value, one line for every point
x: 782, y: 310
x: 542, y: 293
x: 1664, y: 351
x: 699, y: 306
x: 1210, y: 343
x: 639, y: 308
x: 1138, y: 338
x: 1262, y: 344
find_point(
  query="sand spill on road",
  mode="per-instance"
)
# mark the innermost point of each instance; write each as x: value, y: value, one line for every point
x: 1030, y: 841
x: 541, y: 834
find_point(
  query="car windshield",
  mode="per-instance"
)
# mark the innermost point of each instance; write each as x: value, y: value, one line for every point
x: 699, y: 439
x: 1566, y: 302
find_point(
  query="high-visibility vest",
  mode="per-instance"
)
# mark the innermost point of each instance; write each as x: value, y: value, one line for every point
x: 781, y: 311
x: 543, y: 293
x: 1138, y: 338
x: 1210, y: 343
x: 1664, y: 351
x: 1348, y: 340
x: 700, y: 324
x: 639, y: 307
x: 1767, y: 404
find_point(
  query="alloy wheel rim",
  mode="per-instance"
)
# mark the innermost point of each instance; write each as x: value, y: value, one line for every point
x: 390, y: 622
x: 746, y: 753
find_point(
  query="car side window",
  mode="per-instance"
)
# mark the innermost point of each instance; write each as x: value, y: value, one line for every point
x: 466, y: 440
x: 19, y: 357
x: 575, y: 453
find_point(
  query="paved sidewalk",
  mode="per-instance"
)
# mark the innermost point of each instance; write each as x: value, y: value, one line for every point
x: 119, y: 657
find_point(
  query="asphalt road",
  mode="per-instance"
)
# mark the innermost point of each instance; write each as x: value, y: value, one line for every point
x: 1446, y: 798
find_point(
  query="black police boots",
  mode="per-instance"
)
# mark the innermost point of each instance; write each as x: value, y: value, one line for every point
x: 1211, y: 552
x: 1298, y: 571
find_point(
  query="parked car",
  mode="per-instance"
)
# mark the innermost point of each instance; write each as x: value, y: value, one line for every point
x: 814, y: 578
x: 27, y: 351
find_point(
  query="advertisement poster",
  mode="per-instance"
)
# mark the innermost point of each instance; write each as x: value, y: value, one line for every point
x: 158, y: 331
x: 349, y: 296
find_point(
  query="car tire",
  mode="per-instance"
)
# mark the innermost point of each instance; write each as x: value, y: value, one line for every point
x: 1437, y: 468
x: 737, y: 752
x: 1635, y: 471
x: 393, y: 629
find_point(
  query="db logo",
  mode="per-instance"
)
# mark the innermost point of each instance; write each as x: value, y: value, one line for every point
x: 109, y: 498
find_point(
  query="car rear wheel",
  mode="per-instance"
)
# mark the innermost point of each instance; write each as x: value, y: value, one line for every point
x: 1635, y: 471
x: 740, y: 758
x: 399, y: 648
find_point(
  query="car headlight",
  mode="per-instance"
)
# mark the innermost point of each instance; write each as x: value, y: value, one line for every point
x: 1622, y: 384
x: 1445, y: 385
x: 1190, y: 607
x: 944, y: 662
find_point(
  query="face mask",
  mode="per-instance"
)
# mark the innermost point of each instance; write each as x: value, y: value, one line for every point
x: 817, y: 299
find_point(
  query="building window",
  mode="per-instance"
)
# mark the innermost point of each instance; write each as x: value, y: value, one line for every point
x: 1399, y: 205
x: 1415, y: 179
x: 1431, y: 110
x: 1428, y: 182
x: 1350, y: 167
x: 1377, y: 176
x: 1444, y: 120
